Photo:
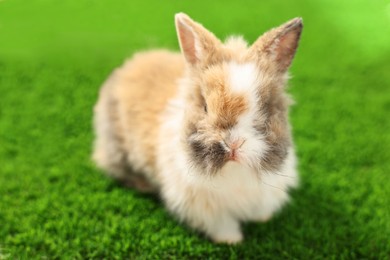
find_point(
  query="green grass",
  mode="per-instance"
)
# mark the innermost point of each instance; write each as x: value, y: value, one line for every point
x: 55, y: 204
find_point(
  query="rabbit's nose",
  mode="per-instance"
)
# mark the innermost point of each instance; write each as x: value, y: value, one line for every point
x: 234, y: 146
x: 237, y: 144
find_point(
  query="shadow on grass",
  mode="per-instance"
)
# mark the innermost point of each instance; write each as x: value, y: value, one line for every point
x: 312, y: 223
x: 114, y: 184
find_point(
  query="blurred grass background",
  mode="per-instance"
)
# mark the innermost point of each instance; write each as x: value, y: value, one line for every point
x: 54, y: 204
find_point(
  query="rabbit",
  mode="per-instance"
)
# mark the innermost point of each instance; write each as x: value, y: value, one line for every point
x: 206, y: 129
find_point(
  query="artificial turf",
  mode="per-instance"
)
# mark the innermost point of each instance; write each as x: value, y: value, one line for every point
x: 55, y: 204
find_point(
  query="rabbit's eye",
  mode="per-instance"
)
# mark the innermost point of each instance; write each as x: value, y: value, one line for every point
x: 205, y: 108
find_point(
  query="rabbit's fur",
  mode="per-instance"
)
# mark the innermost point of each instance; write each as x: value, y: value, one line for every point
x: 207, y: 129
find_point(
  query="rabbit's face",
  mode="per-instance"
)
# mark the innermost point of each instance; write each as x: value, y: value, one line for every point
x: 230, y: 118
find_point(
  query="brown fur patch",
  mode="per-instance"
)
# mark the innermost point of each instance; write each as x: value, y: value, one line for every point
x: 224, y: 106
x: 229, y: 109
x: 141, y: 89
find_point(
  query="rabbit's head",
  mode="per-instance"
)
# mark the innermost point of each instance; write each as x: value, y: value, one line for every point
x: 236, y: 106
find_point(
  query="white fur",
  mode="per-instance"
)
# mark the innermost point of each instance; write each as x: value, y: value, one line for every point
x: 254, y: 146
x: 217, y: 204
x: 244, y: 79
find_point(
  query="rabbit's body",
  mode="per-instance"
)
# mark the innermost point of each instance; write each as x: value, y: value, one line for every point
x: 208, y: 133
x: 125, y: 151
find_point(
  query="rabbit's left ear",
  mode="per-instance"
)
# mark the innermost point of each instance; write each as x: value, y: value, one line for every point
x: 279, y: 45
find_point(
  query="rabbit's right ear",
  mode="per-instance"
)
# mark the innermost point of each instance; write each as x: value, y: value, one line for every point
x: 197, y: 44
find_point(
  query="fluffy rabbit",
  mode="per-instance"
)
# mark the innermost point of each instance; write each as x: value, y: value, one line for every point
x: 207, y: 129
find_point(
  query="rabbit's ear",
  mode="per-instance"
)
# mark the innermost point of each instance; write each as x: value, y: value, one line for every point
x: 279, y: 45
x: 197, y: 43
